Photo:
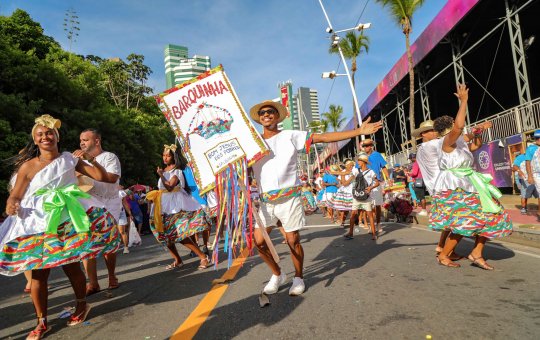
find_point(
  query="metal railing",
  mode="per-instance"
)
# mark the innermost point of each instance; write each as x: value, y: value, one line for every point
x: 519, y: 119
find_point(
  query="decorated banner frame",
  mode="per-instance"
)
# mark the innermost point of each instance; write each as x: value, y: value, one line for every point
x: 220, y: 122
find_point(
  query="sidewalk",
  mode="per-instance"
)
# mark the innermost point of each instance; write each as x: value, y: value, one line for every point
x: 526, y: 227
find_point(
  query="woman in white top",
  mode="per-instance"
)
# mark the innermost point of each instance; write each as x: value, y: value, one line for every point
x: 176, y: 216
x: 342, y: 199
x: 464, y: 201
x: 53, y: 223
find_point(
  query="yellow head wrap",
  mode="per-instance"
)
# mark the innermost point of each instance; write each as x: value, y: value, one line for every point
x: 171, y: 147
x: 49, y: 122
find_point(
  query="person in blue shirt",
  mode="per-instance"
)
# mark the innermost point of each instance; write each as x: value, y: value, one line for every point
x: 330, y: 183
x: 377, y: 163
x: 520, y: 175
x: 532, y: 159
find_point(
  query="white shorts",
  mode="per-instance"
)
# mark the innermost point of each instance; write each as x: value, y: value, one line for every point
x: 366, y: 205
x: 376, y: 196
x: 288, y: 210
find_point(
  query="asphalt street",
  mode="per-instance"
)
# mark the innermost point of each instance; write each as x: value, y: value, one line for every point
x: 391, y: 288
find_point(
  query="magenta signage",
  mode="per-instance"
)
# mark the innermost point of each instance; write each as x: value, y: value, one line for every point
x: 446, y: 19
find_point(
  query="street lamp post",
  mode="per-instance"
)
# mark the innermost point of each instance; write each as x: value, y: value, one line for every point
x: 335, y: 42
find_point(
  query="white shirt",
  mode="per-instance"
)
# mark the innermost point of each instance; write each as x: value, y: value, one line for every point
x: 176, y: 201
x: 427, y: 157
x: 108, y: 192
x: 370, y: 176
x: 278, y: 169
x: 319, y: 181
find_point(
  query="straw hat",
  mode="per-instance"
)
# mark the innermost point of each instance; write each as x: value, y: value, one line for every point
x: 362, y: 156
x: 335, y: 168
x: 424, y: 126
x: 254, y: 111
x: 85, y: 183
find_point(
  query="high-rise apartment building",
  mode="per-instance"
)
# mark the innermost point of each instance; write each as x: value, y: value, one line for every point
x: 307, y: 103
x: 179, y: 67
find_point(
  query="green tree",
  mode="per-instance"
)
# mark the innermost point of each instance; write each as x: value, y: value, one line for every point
x: 352, y: 46
x: 37, y: 76
x: 402, y: 12
x: 334, y: 116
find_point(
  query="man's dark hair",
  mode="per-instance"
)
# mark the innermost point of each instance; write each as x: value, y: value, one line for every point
x: 94, y: 131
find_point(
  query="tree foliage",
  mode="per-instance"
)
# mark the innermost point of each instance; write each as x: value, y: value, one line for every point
x: 334, y: 116
x: 37, y: 76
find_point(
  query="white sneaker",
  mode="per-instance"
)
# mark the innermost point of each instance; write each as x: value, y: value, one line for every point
x: 126, y: 250
x: 297, y: 287
x: 423, y: 212
x: 273, y: 285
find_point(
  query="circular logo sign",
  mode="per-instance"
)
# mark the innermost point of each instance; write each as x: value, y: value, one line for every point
x: 483, y: 160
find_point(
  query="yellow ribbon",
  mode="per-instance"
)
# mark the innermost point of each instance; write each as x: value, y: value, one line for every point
x: 171, y: 147
x: 482, y: 184
x: 56, y: 200
x: 47, y: 121
x: 155, y: 196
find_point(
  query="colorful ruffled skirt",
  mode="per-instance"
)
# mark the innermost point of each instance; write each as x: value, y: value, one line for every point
x: 461, y: 212
x: 342, y: 200
x: 43, y: 251
x: 177, y: 227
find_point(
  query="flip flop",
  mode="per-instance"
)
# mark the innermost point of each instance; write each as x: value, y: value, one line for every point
x: 174, y: 265
x: 476, y: 262
x: 77, y: 319
x: 38, y: 334
x: 348, y: 237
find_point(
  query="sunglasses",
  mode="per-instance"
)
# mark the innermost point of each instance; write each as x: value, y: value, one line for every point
x: 366, y: 145
x: 269, y: 111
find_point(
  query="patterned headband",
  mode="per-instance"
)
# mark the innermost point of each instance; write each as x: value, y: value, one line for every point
x: 49, y: 122
x: 171, y: 147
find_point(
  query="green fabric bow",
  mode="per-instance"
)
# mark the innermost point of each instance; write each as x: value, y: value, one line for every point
x: 482, y: 184
x: 56, y: 200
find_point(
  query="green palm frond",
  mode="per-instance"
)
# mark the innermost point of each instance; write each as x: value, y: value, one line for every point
x: 334, y: 116
x: 401, y: 10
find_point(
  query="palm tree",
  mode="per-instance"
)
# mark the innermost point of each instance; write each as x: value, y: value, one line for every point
x: 402, y: 12
x: 334, y: 116
x: 352, y: 46
x: 319, y: 127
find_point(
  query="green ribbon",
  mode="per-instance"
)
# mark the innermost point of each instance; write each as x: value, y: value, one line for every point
x: 482, y: 184
x: 56, y: 200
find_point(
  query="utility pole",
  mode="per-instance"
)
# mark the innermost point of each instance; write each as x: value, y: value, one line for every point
x: 71, y: 26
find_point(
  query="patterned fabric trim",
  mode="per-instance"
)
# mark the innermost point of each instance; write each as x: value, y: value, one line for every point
x: 273, y: 195
x: 309, y: 142
x: 42, y: 251
x: 461, y: 212
x: 179, y: 226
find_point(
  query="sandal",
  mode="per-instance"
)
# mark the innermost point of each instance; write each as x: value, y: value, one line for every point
x: 174, y: 265
x: 480, y: 262
x: 91, y: 290
x: 77, y: 319
x: 447, y: 262
x: 39, y: 331
x: 348, y: 237
x: 204, y: 264
x: 113, y: 283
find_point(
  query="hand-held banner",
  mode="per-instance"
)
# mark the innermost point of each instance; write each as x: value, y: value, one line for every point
x: 211, y: 125
x: 219, y: 142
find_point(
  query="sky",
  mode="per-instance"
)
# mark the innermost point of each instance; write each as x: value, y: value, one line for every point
x: 259, y: 43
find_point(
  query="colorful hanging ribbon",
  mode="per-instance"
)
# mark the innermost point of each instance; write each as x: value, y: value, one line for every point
x: 155, y: 196
x: 482, y: 184
x: 56, y: 200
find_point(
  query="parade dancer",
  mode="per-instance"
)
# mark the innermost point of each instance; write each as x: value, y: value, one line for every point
x: 330, y: 183
x: 378, y: 165
x: 465, y: 202
x: 532, y: 159
x: 372, y: 182
x: 176, y: 216
x: 280, y: 186
x: 342, y: 200
x: 52, y: 222
x: 107, y: 192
